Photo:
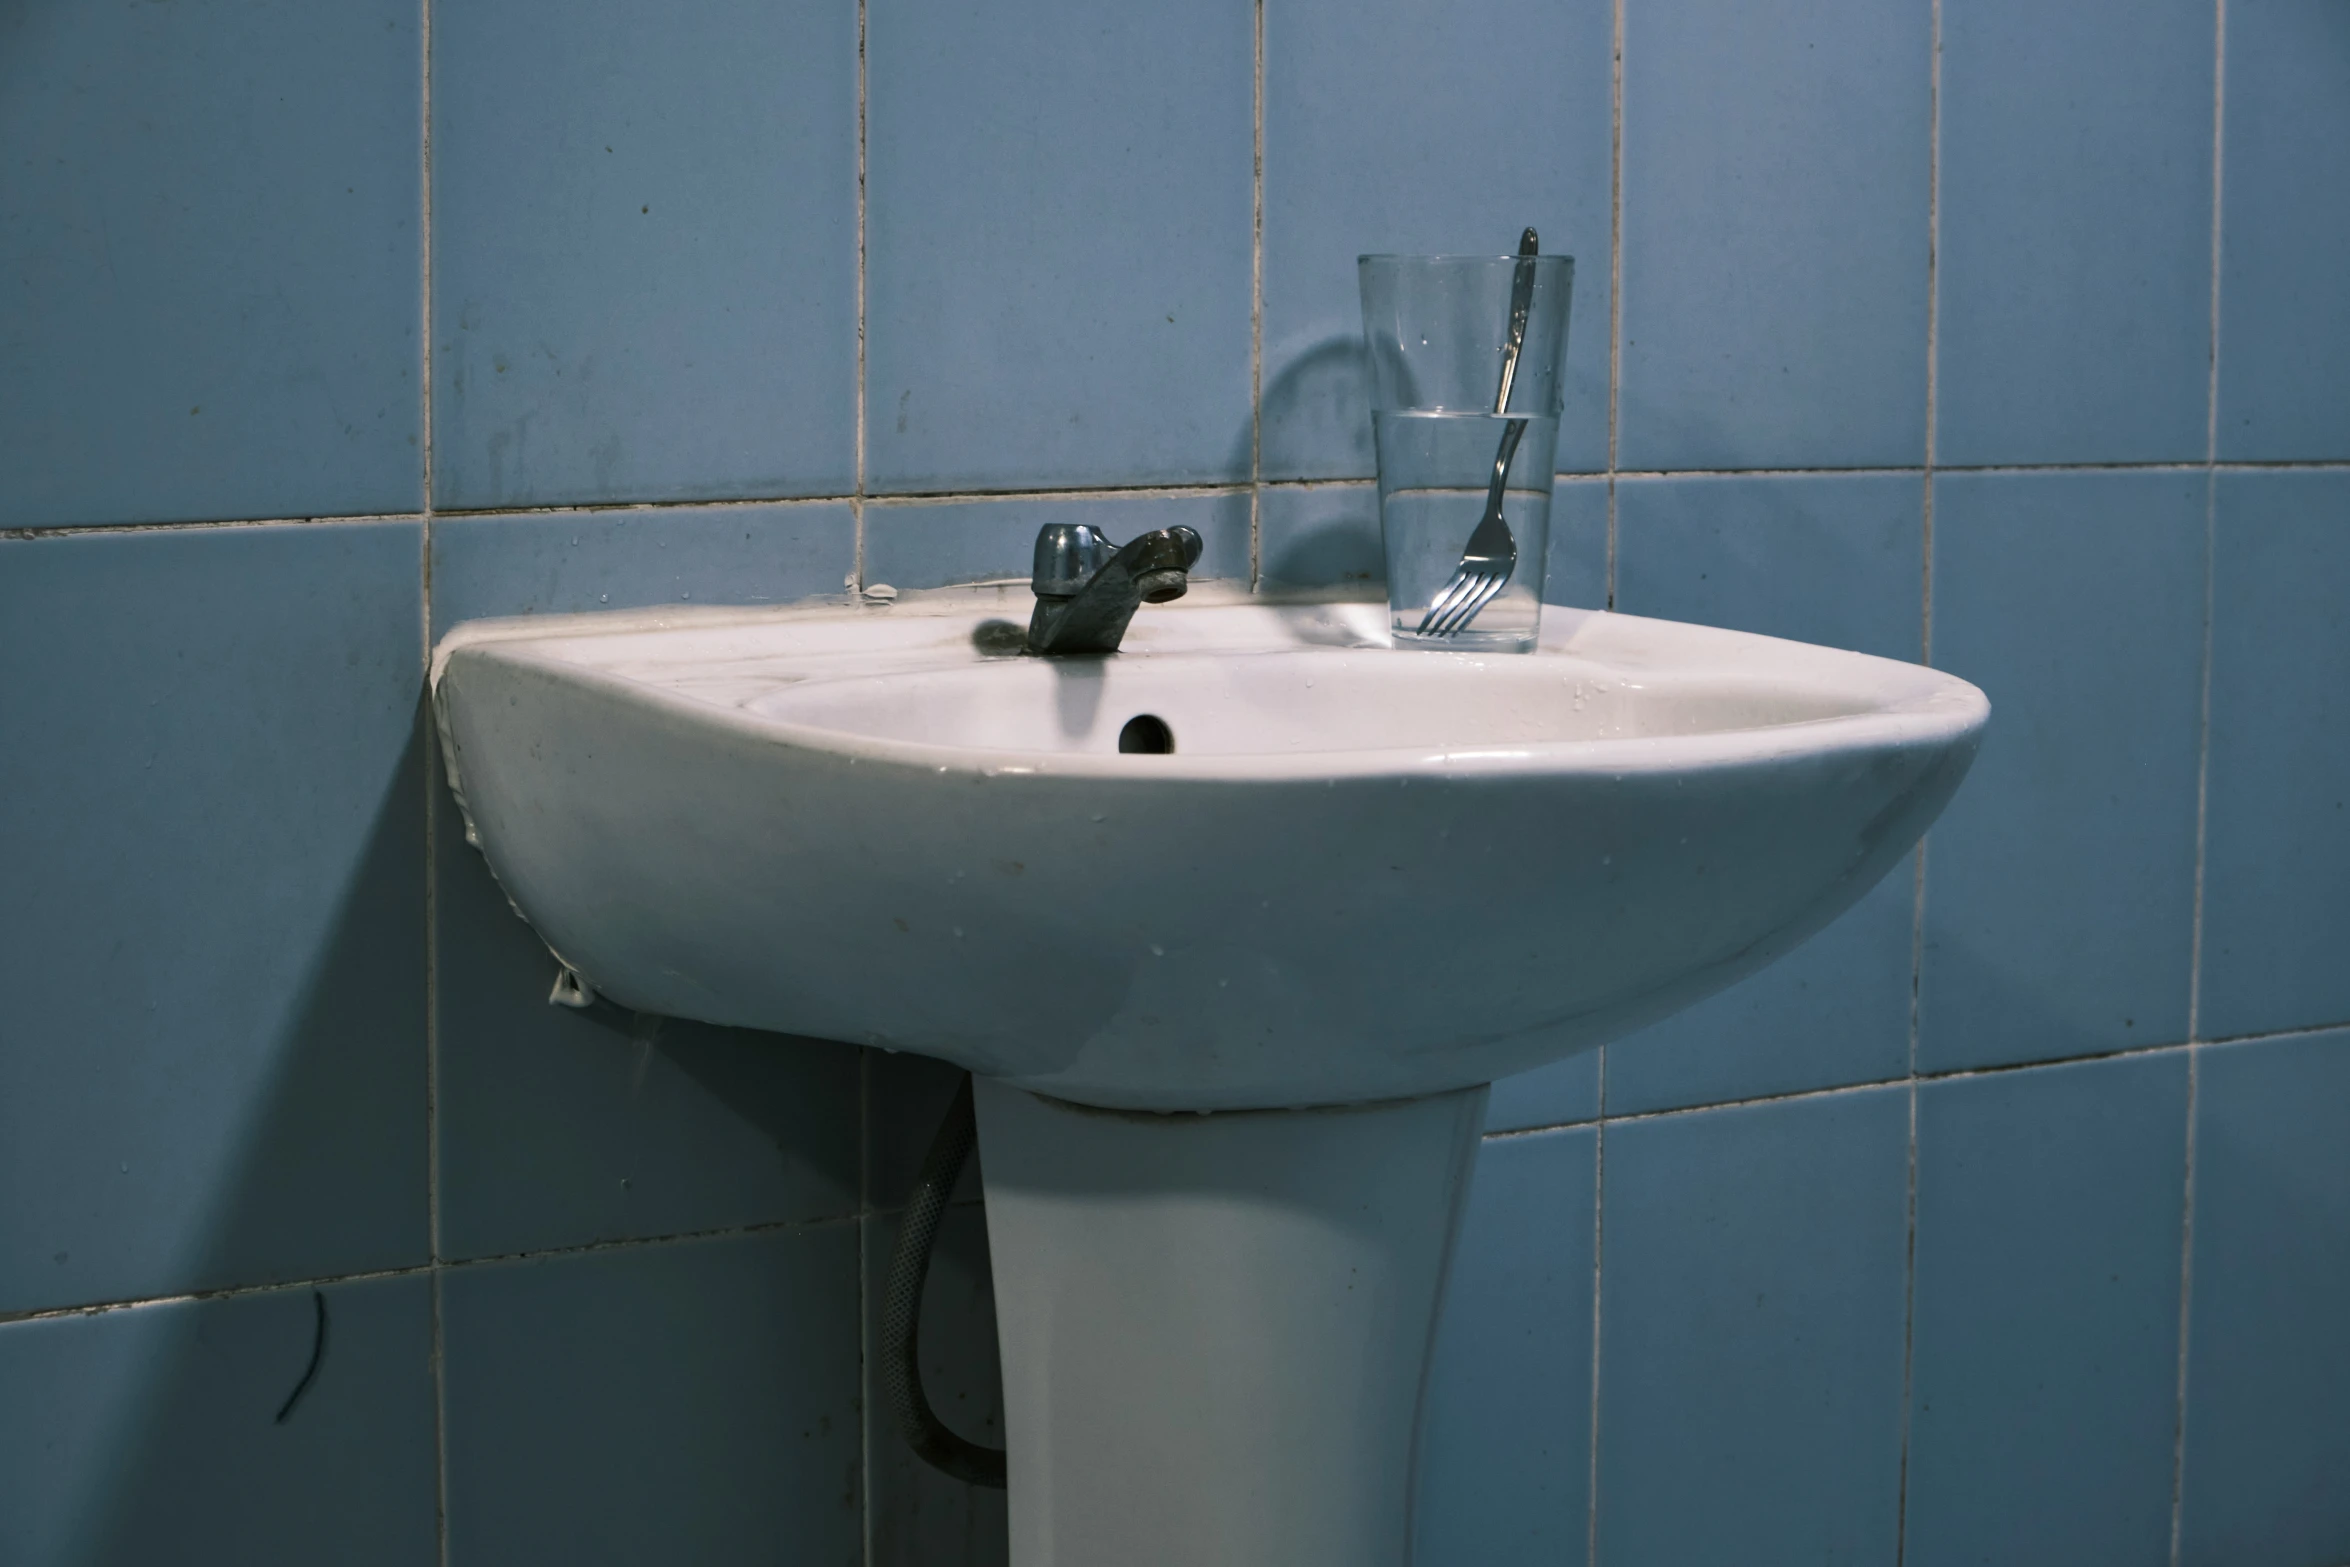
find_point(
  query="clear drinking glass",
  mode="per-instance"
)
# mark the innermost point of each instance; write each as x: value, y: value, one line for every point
x: 1437, y: 329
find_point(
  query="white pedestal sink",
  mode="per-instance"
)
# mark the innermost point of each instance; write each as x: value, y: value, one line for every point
x: 1362, y: 878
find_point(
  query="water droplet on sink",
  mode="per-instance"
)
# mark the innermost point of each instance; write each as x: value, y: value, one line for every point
x: 1158, y: 951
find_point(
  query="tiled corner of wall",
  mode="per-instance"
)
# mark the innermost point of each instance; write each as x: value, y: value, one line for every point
x: 215, y: 1068
x: 280, y: 1426
x: 566, y: 1128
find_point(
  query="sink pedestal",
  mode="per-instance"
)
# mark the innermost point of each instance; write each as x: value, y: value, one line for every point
x: 1215, y: 1329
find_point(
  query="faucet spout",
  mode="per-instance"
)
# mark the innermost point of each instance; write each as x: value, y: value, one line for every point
x: 1087, y: 588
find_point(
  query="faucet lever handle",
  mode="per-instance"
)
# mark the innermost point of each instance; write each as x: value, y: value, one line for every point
x: 1068, y: 555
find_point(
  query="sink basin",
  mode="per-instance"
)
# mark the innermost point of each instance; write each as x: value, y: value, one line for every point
x: 1359, y: 874
x: 1258, y: 861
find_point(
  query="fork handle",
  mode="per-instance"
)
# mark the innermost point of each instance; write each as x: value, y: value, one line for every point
x: 1521, y: 305
x: 1511, y: 434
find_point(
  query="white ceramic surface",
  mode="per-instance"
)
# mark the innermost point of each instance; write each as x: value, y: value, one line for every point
x: 1215, y: 1328
x: 1362, y: 874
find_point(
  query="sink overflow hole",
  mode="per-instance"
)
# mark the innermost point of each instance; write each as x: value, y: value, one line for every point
x: 1146, y: 733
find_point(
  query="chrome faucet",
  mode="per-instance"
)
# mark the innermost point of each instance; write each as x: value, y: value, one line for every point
x: 1087, y: 588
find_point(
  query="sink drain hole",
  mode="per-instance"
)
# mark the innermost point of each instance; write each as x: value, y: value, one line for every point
x: 1146, y: 733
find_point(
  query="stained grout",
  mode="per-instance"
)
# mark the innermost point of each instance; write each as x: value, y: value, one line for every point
x: 438, y: 1334
x: 856, y: 577
x: 443, y: 1266
x: 2178, y: 1459
x: 1615, y: 296
x: 1923, y: 1079
x: 2219, y: 89
x: 1917, y: 912
x: 864, y: 1301
x: 913, y: 498
x: 1256, y: 317
x: 1615, y: 365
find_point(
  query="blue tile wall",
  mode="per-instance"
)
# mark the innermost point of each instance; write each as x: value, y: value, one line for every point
x: 2045, y: 1345
x: 746, y: 304
x: 565, y: 1128
x: 211, y: 938
x: 1776, y: 172
x: 2074, y: 244
x: 661, y: 1403
x: 1505, y: 1465
x: 2276, y: 891
x: 931, y: 544
x: 2060, y: 886
x: 2284, y: 365
x: 208, y: 232
x: 153, y: 1434
x: 1830, y: 559
x: 1058, y: 230
x: 1373, y: 114
x: 1751, y: 1306
x: 2268, y: 1369
x: 610, y: 225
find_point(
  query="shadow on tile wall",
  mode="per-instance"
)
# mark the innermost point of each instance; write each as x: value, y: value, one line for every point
x: 1926, y: 361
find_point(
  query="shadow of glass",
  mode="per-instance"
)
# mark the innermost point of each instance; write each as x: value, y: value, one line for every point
x: 1316, y: 415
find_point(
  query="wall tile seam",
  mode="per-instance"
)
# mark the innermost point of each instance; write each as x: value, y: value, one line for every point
x: 1917, y: 932
x: 856, y: 577
x: 1615, y: 338
x: 2178, y: 1460
x: 1256, y: 307
x: 444, y: 1266
x: 1922, y: 1079
x: 432, y: 790
x: 909, y: 500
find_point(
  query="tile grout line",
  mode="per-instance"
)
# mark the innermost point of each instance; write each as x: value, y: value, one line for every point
x: 438, y: 1338
x: 856, y: 498
x: 1615, y: 375
x: 913, y: 498
x: 684, y: 1237
x: 1909, y: 1322
x: 1955, y: 1074
x: 2210, y: 522
x: 446, y: 1265
x: 1615, y: 288
x: 1598, y: 1266
x: 2178, y: 1452
x: 2219, y: 103
x: 1917, y: 915
x: 864, y: 1301
x: 1256, y: 318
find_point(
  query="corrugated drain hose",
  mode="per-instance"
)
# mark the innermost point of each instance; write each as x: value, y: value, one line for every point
x: 901, y: 1304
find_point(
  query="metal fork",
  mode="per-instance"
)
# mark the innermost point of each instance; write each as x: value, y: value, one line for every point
x: 1492, y: 552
